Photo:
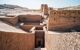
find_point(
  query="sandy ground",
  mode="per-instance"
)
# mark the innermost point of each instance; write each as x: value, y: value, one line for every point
x: 7, y: 28
x: 64, y: 41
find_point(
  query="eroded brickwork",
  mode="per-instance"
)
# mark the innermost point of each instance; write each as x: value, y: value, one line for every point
x: 44, y: 9
x: 63, y: 19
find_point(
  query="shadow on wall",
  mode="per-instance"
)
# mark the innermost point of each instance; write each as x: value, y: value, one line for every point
x: 74, y: 29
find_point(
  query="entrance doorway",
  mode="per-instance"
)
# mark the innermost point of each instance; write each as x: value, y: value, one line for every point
x: 39, y: 39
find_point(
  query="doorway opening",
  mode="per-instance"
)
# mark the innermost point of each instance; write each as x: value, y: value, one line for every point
x: 39, y: 39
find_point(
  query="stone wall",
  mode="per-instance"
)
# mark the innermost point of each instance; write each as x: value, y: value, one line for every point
x: 17, y: 41
x: 63, y: 19
x: 65, y: 41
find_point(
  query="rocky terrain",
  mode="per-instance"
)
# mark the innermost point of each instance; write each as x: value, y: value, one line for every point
x: 11, y: 9
x: 71, y: 8
x: 66, y: 41
x: 3, y: 6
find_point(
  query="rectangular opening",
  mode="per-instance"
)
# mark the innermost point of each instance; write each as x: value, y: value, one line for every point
x: 39, y: 39
x: 39, y: 28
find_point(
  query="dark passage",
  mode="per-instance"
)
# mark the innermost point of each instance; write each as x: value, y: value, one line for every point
x: 39, y: 39
x: 40, y: 44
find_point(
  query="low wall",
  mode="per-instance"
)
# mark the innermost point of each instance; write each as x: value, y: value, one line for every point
x: 10, y: 20
x: 16, y: 41
x: 26, y: 27
x: 30, y: 18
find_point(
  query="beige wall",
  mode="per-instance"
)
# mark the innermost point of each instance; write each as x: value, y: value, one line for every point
x: 63, y: 19
x: 63, y: 41
x: 16, y: 41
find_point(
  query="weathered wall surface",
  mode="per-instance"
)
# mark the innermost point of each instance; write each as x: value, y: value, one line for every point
x: 30, y: 18
x: 63, y: 19
x: 11, y: 20
x: 26, y: 27
x: 44, y: 9
x: 16, y: 41
x: 70, y: 41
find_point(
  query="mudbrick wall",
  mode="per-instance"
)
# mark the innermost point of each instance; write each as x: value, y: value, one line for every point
x: 16, y: 41
x: 10, y: 20
x: 30, y: 18
x: 63, y: 19
x: 26, y: 27
x: 65, y: 41
x: 44, y: 9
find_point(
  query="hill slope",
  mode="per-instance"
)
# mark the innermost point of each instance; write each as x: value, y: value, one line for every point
x: 3, y: 6
x: 71, y: 8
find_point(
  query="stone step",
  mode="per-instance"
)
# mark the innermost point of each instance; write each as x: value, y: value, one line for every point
x: 39, y: 48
